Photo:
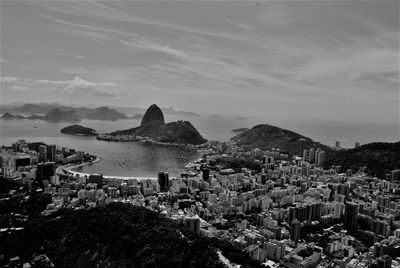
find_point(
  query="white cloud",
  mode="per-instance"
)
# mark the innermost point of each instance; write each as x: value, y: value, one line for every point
x: 76, y: 86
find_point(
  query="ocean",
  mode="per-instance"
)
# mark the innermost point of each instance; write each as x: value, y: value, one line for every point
x: 137, y: 159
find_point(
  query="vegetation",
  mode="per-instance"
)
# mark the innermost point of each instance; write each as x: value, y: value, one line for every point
x: 266, y: 137
x: 379, y: 158
x: 79, y: 130
x: 117, y: 235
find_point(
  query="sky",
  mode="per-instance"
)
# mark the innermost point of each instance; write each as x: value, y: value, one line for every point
x: 325, y: 60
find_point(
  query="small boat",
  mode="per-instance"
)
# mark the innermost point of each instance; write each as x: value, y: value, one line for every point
x: 35, y: 126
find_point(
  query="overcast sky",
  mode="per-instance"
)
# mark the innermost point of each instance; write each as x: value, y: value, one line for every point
x: 316, y: 59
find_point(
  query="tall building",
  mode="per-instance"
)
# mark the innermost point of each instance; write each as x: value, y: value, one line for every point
x: 337, y: 144
x: 42, y: 153
x: 301, y: 146
x: 45, y: 171
x: 311, y: 156
x: 357, y: 144
x: 51, y: 153
x: 320, y: 158
x: 305, y: 151
x: 351, y: 216
x: 163, y: 180
x: 295, y: 231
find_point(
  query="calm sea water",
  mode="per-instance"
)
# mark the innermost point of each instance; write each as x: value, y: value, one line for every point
x: 136, y: 159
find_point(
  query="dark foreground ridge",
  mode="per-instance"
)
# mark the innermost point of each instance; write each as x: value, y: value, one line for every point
x: 117, y: 235
x: 79, y: 130
x: 154, y: 127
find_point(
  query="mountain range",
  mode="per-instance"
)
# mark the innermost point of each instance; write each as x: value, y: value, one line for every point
x: 84, y: 112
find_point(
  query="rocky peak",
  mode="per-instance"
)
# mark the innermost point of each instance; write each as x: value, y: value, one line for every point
x: 153, y: 114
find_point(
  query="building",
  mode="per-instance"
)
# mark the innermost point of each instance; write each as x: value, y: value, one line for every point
x: 51, y: 153
x: 351, y: 216
x: 42, y: 153
x: 337, y: 144
x: 163, y: 180
x: 45, y: 171
x: 295, y: 230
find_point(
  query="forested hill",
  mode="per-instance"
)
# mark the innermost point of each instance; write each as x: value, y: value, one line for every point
x: 379, y: 158
x: 117, y: 235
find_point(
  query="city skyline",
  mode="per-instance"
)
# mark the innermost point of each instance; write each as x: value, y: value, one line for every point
x: 338, y: 58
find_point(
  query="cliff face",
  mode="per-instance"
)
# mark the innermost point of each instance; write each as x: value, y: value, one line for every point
x: 266, y: 137
x: 153, y: 114
x: 153, y: 126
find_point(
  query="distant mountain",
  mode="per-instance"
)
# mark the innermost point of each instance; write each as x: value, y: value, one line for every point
x: 380, y: 158
x: 154, y: 126
x: 79, y: 130
x: 241, y: 118
x: 9, y: 116
x: 239, y: 130
x: 171, y: 110
x: 105, y: 113
x: 139, y: 110
x: 56, y: 115
x: 266, y: 137
x: 216, y: 117
x: 84, y: 112
x: 137, y: 116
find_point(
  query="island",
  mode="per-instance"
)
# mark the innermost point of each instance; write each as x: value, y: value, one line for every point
x: 216, y: 116
x: 239, y: 130
x: 153, y: 129
x: 9, y: 116
x: 79, y: 130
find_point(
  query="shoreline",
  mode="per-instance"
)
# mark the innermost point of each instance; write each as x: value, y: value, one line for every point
x: 69, y: 170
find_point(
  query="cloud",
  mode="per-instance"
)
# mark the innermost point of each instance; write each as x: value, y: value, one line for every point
x: 76, y: 86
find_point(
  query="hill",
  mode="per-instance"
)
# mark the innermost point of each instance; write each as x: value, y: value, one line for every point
x: 379, y: 158
x: 57, y: 115
x: 9, y: 116
x: 154, y: 127
x: 79, y: 130
x: 105, y: 113
x: 239, y: 130
x: 117, y: 235
x: 266, y: 137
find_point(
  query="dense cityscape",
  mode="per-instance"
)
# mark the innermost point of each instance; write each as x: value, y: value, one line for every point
x: 290, y: 212
x: 200, y: 134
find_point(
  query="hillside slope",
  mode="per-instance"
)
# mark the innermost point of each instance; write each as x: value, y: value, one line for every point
x: 265, y: 137
x: 117, y: 235
x: 379, y: 158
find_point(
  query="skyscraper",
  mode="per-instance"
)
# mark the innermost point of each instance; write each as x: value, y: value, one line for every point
x: 321, y: 158
x: 301, y: 146
x: 311, y: 156
x: 337, y: 144
x: 351, y: 216
x: 163, y: 180
x: 295, y: 230
x: 51, y: 152
x: 42, y: 153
